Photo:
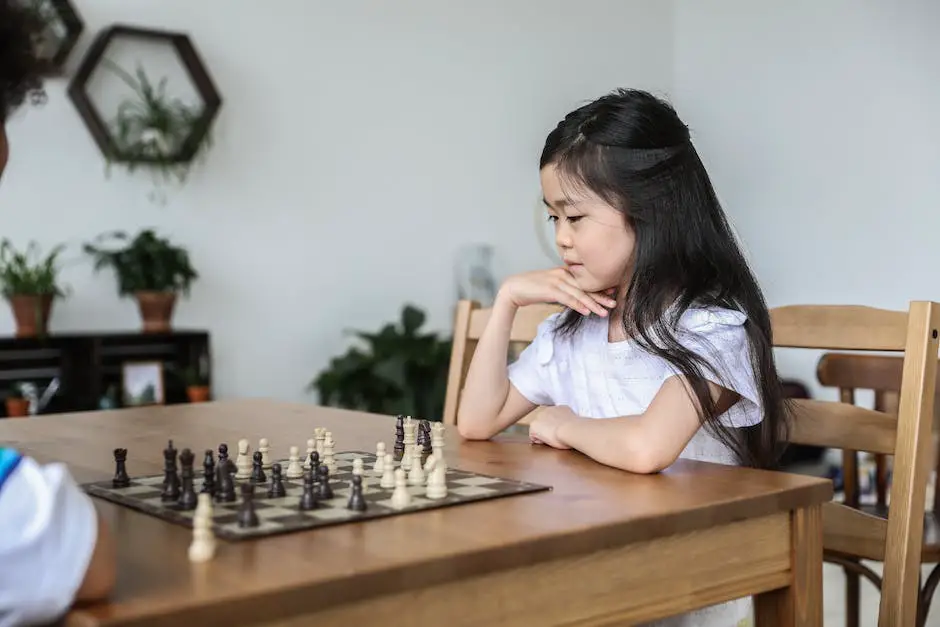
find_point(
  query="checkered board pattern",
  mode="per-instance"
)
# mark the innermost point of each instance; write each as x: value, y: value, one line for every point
x: 282, y: 514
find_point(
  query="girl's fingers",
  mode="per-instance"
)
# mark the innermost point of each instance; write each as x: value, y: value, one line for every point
x: 596, y: 297
x: 585, y: 300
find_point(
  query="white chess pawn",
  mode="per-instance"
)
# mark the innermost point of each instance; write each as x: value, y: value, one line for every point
x: 359, y: 469
x: 311, y: 447
x: 294, y: 468
x: 416, y: 474
x: 320, y: 435
x: 388, y: 474
x: 243, y: 461
x: 328, y: 458
x: 202, y: 547
x: 265, y: 449
x: 379, y: 466
x: 401, y: 497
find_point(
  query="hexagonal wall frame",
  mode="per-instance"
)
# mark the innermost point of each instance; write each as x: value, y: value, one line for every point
x: 64, y: 27
x: 191, y: 61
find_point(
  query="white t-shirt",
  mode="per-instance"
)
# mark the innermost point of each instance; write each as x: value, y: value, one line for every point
x: 601, y: 379
x: 48, y: 531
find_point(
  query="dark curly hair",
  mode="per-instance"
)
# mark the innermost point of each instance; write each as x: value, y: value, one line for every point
x: 21, y: 70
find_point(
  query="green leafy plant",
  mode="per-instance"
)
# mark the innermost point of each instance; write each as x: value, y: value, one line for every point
x: 28, y: 273
x: 398, y: 370
x: 154, y: 130
x: 146, y: 263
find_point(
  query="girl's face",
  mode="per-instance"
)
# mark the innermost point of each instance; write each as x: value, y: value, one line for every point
x: 592, y: 237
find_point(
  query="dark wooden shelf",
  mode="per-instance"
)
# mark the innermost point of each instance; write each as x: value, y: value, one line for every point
x: 88, y: 363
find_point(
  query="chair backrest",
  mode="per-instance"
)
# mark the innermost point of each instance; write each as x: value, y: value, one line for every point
x: 898, y: 540
x: 469, y: 321
x: 881, y: 374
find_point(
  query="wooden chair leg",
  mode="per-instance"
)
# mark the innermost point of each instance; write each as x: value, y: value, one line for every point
x: 852, y: 599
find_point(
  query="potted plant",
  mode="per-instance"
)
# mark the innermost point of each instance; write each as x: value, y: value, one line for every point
x: 197, y: 385
x: 400, y: 370
x: 29, y: 282
x: 17, y: 404
x: 150, y: 269
x: 152, y: 130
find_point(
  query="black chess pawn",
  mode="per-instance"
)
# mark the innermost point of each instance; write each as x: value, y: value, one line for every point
x: 121, y: 480
x: 399, y: 437
x: 171, y: 479
x: 308, y: 499
x: 208, y: 475
x: 225, y: 492
x: 325, y: 492
x: 356, y: 501
x: 247, y: 517
x: 257, y: 472
x: 223, y: 453
x: 314, y: 460
x: 277, y: 482
x: 187, y: 499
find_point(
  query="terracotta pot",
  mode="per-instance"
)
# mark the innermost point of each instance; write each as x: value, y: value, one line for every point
x: 17, y: 407
x: 156, y: 310
x: 198, y: 393
x: 31, y: 314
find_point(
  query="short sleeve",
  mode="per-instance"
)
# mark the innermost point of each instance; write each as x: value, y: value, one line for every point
x: 529, y: 373
x: 48, y: 531
x: 720, y: 338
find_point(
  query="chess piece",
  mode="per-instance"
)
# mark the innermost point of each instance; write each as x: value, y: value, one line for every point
x: 323, y: 476
x: 208, y: 475
x: 171, y: 480
x: 401, y: 497
x: 294, y: 468
x: 257, y: 468
x: 358, y: 469
x: 243, y: 461
x: 379, y: 466
x: 416, y: 473
x: 356, y: 501
x: 437, y: 444
x: 399, y: 436
x: 437, y: 481
x: 311, y: 449
x: 121, y: 480
x: 308, y: 499
x: 225, y: 492
x: 426, y: 448
x: 247, y: 517
x: 203, y: 545
x: 187, y: 499
x: 265, y: 448
x: 320, y: 434
x: 407, y: 455
x: 223, y: 453
x: 328, y: 459
x: 388, y: 475
x: 313, y: 461
x: 277, y: 482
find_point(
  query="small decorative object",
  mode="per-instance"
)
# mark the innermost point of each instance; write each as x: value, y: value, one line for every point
x: 401, y: 371
x: 58, y: 29
x: 142, y: 383
x: 30, y: 283
x: 150, y: 129
x: 17, y: 404
x: 197, y: 385
x: 149, y: 268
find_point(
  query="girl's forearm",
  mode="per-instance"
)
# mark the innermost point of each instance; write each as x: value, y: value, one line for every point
x: 623, y: 442
x: 487, y: 384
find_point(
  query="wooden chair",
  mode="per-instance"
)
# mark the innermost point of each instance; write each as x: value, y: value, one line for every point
x: 848, y: 532
x: 883, y: 375
x: 469, y: 321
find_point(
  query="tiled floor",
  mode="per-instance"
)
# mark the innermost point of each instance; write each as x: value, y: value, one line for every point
x: 834, y: 598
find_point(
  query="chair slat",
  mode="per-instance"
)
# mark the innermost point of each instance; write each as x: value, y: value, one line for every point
x: 853, y: 532
x: 843, y: 426
x: 839, y: 327
x: 524, y: 326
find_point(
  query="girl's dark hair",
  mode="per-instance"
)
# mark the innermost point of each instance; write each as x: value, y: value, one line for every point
x: 632, y: 150
x: 21, y: 70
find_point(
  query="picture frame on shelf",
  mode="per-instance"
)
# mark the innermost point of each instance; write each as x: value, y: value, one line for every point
x: 142, y: 383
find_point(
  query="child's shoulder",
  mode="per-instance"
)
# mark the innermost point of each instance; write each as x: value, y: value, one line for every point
x: 711, y: 318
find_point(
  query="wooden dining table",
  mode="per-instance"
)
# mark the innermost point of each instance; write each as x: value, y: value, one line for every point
x: 601, y: 547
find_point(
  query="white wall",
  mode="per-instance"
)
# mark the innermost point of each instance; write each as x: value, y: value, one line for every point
x: 361, y: 143
x: 819, y: 123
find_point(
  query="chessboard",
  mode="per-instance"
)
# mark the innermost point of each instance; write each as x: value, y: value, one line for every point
x: 282, y: 514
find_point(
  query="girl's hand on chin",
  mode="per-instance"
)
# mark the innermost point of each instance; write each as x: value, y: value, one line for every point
x: 554, y: 286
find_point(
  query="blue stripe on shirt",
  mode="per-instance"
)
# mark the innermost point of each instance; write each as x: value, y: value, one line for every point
x: 9, y: 460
